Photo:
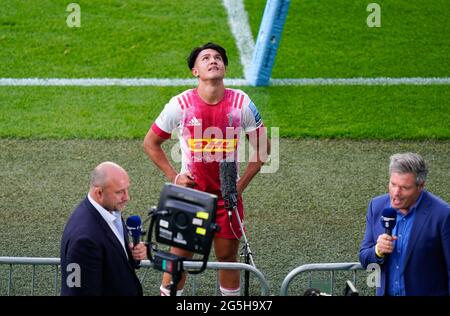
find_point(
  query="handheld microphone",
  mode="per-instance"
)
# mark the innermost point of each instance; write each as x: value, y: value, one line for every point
x: 228, y: 179
x: 134, y: 227
x: 388, y: 219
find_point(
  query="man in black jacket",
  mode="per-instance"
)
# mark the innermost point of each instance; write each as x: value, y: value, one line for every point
x: 96, y: 257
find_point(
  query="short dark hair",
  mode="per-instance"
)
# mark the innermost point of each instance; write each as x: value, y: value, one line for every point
x: 193, y: 56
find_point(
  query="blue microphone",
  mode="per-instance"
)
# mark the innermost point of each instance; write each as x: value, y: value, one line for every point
x: 134, y: 227
x: 388, y: 220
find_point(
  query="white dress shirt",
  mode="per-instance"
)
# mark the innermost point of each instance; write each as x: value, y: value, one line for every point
x: 109, y: 219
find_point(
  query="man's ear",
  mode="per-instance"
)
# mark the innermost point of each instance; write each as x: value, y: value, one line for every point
x: 98, y: 192
x: 194, y: 72
x: 421, y: 186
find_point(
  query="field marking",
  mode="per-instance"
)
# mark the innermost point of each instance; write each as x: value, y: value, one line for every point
x: 168, y: 82
x: 240, y: 28
x: 102, y: 82
x: 379, y: 81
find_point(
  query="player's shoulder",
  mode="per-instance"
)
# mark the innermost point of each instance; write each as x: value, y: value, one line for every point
x: 233, y: 91
x: 182, y: 100
x: 238, y: 98
x: 185, y: 93
x: 182, y: 95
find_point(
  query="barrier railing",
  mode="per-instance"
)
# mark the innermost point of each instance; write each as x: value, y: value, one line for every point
x: 55, y: 262
x: 331, y: 267
x: 11, y: 261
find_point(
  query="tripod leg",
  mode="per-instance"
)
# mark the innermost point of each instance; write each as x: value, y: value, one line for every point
x: 246, y: 272
x: 173, y: 289
x: 247, y: 254
x: 176, y: 277
x: 247, y: 283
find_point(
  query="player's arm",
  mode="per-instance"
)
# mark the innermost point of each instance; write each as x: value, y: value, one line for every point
x: 261, y: 145
x: 158, y: 133
x: 153, y: 149
x: 259, y: 141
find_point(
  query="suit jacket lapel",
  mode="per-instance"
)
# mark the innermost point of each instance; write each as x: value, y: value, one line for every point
x: 110, y: 234
x: 116, y: 243
x: 127, y: 241
x: 130, y: 261
x: 422, y: 213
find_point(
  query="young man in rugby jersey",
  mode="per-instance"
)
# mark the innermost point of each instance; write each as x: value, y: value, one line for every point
x: 209, y: 121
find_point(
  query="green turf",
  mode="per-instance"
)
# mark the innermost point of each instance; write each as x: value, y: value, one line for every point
x: 376, y: 112
x: 395, y: 112
x: 332, y: 39
x: 116, y: 38
x: 147, y: 39
x: 311, y: 210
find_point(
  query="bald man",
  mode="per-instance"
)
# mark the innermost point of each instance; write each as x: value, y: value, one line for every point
x: 96, y: 256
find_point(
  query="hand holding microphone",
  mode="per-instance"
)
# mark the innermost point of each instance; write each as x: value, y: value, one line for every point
x: 385, y: 242
x: 134, y: 227
x: 138, y: 248
x: 388, y: 220
x: 139, y: 251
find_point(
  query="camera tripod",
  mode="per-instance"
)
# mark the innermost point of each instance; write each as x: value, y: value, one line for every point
x: 246, y: 252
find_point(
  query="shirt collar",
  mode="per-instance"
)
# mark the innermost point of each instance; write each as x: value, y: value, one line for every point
x: 107, y: 216
x: 414, y: 206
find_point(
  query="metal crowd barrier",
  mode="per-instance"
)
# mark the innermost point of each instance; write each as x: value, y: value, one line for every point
x: 11, y: 261
x: 55, y: 262
x: 331, y: 267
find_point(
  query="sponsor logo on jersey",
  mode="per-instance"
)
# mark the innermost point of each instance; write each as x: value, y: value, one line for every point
x: 212, y: 144
x: 193, y: 122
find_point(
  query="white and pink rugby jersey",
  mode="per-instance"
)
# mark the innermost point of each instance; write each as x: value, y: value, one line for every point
x: 208, y: 133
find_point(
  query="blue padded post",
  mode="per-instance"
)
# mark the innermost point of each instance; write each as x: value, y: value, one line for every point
x: 268, y: 41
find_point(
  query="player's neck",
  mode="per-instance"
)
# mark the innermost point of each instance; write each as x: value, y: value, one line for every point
x: 211, y: 91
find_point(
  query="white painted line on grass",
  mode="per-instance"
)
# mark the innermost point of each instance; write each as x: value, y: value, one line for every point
x: 101, y: 82
x: 380, y: 81
x: 238, y: 21
x: 174, y: 82
x: 96, y: 82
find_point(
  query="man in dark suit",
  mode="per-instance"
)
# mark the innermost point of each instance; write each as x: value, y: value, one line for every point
x: 96, y: 257
x: 415, y: 260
